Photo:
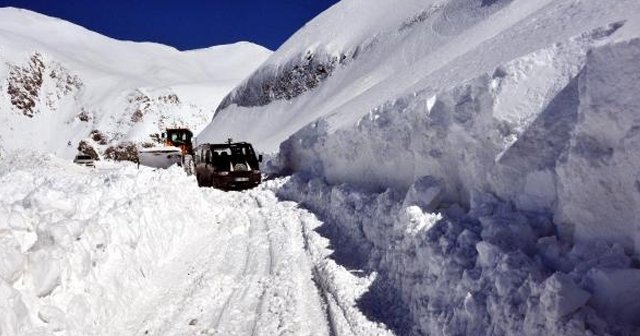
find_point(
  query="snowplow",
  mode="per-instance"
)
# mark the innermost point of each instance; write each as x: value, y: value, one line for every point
x: 227, y: 166
x: 177, y: 149
x: 180, y: 138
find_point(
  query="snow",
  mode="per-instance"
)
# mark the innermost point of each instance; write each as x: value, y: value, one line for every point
x: 598, y: 182
x: 119, y: 250
x: 456, y: 272
x: 446, y: 167
x: 127, y: 91
x: 479, y: 156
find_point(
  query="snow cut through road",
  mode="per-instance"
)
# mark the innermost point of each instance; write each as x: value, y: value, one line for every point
x: 249, y: 276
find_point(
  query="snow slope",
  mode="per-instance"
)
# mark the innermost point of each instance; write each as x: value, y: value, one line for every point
x: 60, y: 84
x: 514, y: 120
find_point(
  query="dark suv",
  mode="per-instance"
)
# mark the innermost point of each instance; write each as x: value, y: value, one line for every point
x: 227, y: 166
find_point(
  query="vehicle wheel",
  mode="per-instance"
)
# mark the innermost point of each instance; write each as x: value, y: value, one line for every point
x: 200, y: 182
x: 209, y: 182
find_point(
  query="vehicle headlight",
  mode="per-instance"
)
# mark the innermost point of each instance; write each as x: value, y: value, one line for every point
x: 256, y: 172
x: 223, y: 173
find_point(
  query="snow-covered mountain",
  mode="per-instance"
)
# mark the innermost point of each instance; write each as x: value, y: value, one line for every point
x: 61, y: 84
x: 518, y: 120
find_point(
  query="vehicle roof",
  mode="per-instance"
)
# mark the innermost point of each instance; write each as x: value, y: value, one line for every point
x: 226, y: 145
x: 179, y: 130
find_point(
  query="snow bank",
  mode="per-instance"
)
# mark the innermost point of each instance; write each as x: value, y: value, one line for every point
x: 76, y: 244
x: 563, y: 145
x: 535, y: 178
x: 454, y: 272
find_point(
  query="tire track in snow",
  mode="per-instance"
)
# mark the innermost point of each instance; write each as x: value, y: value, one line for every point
x: 254, y: 272
x: 242, y: 298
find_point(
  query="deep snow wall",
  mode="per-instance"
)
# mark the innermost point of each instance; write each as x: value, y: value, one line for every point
x: 495, y: 269
x: 483, y: 219
x: 558, y: 144
x: 598, y: 182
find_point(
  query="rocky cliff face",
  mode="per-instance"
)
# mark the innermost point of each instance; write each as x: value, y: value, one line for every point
x: 37, y: 83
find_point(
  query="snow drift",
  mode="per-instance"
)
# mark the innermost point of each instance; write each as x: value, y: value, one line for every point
x: 61, y: 84
x: 77, y: 243
x: 515, y: 120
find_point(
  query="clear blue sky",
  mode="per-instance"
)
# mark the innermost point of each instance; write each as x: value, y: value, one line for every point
x: 186, y: 24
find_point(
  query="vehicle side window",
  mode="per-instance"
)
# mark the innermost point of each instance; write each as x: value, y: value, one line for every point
x: 208, y: 156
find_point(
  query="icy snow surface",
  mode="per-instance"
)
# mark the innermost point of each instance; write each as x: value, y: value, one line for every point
x: 515, y: 121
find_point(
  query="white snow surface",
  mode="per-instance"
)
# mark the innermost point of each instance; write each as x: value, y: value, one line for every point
x: 80, y: 81
x: 459, y: 167
x: 117, y: 250
x: 516, y: 121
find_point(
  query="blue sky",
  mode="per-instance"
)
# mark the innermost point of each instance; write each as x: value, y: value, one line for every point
x: 186, y: 24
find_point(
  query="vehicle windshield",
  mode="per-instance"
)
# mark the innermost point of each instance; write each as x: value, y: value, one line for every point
x: 227, y: 156
x: 83, y: 157
x: 179, y: 136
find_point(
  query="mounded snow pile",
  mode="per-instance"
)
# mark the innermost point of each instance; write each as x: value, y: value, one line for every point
x: 61, y: 84
x: 479, y: 155
x: 77, y: 244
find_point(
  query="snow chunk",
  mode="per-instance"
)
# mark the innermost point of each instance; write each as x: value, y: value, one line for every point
x: 53, y: 316
x: 488, y: 254
x: 414, y: 220
x: 45, y: 272
x: 13, y: 312
x: 12, y: 261
x: 616, y: 293
x: 562, y: 296
x: 426, y: 192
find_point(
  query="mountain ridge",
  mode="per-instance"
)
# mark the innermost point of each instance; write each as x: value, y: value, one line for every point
x: 115, y: 88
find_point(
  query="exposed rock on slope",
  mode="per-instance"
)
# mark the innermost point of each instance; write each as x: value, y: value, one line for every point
x: 26, y: 84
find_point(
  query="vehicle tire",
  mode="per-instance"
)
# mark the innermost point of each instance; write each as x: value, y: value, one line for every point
x: 200, y: 181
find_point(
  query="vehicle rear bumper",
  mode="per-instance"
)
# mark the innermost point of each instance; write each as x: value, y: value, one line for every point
x: 237, y: 182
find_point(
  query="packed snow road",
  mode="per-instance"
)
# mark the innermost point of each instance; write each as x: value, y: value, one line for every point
x: 248, y: 276
x: 121, y: 251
